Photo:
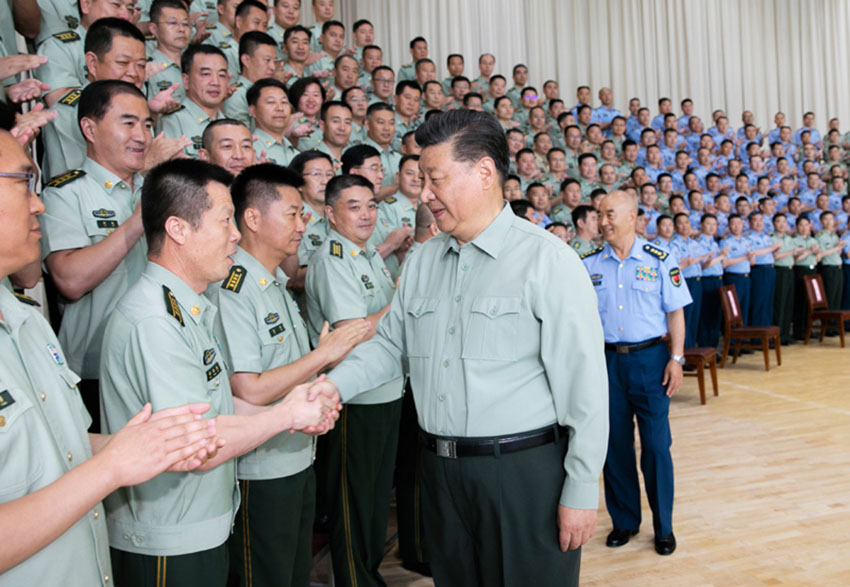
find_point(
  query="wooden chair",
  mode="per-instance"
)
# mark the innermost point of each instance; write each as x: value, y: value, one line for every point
x: 818, y: 309
x: 735, y: 330
x: 699, y: 357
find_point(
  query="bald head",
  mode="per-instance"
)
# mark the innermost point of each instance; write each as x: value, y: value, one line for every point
x: 617, y: 215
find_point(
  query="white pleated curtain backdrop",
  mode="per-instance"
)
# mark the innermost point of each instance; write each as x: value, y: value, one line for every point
x: 759, y: 55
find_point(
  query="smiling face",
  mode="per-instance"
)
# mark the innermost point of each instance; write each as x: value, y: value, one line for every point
x: 206, y: 82
x: 287, y: 13
x: 409, y: 180
x: 232, y: 147
x: 125, y: 61
x: 298, y: 47
x: 310, y: 102
x: 380, y: 127
x: 354, y: 214
x: 120, y: 140
x: 617, y: 215
x: 254, y: 20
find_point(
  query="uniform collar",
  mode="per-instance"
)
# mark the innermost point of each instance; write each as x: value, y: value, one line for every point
x: 192, y: 304
x: 269, y: 140
x: 108, y: 180
x: 257, y: 272
x: 159, y: 57
x: 315, y: 218
x: 14, y: 314
x: 636, y: 251
x: 492, y: 239
x: 197, y: 113
x: 380, y: 149
x: 350, y: 249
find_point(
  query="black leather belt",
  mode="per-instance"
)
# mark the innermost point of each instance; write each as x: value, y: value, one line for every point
x: 765, y: 265
x: 626, y: 348
x: 452, y: 448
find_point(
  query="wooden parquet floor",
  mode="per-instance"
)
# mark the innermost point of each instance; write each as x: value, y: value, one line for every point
x: 762, y: 483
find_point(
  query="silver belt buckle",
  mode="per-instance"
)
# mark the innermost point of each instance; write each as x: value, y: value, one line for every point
x: 446, y: 448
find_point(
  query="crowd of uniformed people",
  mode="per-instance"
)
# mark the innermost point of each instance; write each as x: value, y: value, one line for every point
x: 164, y: 133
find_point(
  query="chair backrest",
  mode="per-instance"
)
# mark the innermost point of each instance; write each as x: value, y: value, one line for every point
x: 815, y: 296
x: 731, y: 307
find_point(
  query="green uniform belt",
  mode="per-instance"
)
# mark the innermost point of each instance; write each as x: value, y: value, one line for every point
x: 625, y: 348
x: 452, y: 448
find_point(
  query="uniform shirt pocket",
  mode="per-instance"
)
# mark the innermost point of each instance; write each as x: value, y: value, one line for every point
x: 491, y: 333
x: 421, y: 326
x: 21, y: 433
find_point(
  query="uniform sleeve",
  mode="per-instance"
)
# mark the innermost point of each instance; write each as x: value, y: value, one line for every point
x: 332, y: 287
x: 576, y: 370
x: 674, y: 290
x: 237, y: 330
x: 60, y: 71
x: 170, y: 126
x: 61, y: 223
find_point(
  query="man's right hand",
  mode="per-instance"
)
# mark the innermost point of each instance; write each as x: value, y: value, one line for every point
x: 397, y: 237
x: 15, y: 64
x: 338, y: 342
x: 309, y: 412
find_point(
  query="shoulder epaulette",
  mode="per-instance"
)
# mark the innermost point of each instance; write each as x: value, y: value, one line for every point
x: 26, y: 299
x: 236, y: 85
x: 224, y: 45
x: 390, y: 200
x: 655, y: 251
x: 336, y: 249
x: 576, y: 244
x: 234, y: 279
x: 71, y: 97
x: 173, y: 110
x: 65, y: 178
x: 150, y: 38
x: 591, y: 253
x: 67, y: 36
x: 171, y: 305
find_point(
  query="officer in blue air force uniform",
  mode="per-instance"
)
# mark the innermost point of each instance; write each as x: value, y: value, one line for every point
x: 641, y: 293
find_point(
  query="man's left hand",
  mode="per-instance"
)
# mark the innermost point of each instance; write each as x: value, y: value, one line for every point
x: 575, y: 527
x: 672, y: 377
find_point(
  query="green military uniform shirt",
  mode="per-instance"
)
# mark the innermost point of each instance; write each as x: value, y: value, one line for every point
x: 572, y: 163
x: 66, y: 65
x: 514, y: 95
x: 805, y: 242
x: 189, y: 120
x: 393, y: 212
x: 166, y: 78
x: 56, y: 16
x: 561, y: 213
x: 311, y: 141
x: 315, y: 234
x: 236, y: 106
x: 406, y: 72
x: 481, y: 330
x: 337, y: 163
x: 390, y: 159
x: 208, y: 6
x: 345, y: 282
x: 827, y: 240
x: 276, y: 32
x: 64, y: 145
x: 581, y: 246
x: 315, y: 32
x: 323, y: 63
x: 82, y: 208
x: 402, y: 128
x: 358, y: 134
x: 260, y: 328
x: 587, y: 187
x: 223, y: 39
x: 43, y: 435
x: 787, y: 243
x: 279, y: 152
x: 159, y: 347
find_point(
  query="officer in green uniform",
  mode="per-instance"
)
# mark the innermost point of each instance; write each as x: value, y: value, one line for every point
x: 804, y: 264
x: 586, y: 222
x: 162, y: 349
x: 251, y: 15
x: 478, y: 315
x: 829, y: 259
x: 316, y: 169
x: 56, y: 16
x: 380, y: 131
x: 221, y: 34
x: 65, y: 147
x: 92, y: 228
x: 407, y: 119
x: 418, y: 50
x: 257, y: 53
x: 270, y: 112
x: 205, y: 79
x: 172, y: 30
x: 265, y: 340
x: 783, y: 304
x: 54, y: 473
x: 286, y: 15
x: 347, y: 279
x: 228, y: 143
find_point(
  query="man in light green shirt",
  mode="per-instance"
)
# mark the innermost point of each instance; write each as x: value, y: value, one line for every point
x: 205, y: 79
x: 804, y: 264
x: 172, y: 29
x: 222, y: 32
x: 418, y: 50
x: 829, y: 259
x: 380, y: 131
x: 586, y: 223
x: 479, y: 316
x: 266, y: 344
x: 162, y: 348
x: 783, y: 304
x: 54, y: 473
x: 257, y: 52
x: 347, y: 280
x: 271, y: 112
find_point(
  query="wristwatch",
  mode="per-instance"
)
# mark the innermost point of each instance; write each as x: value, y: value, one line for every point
x: 679, y: 359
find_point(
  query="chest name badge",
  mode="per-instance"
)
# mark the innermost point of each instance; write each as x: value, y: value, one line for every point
x: 112, y: 224
x: 213, y: 372
x: 103, y: 213
x: 6, y: 399
x: 366, y: 282
x: 596, y: 278
x: 646, y: 273
x: 197, y: 142
x: 271, y: 318
x: 209, y: 356
x: 276, y: 330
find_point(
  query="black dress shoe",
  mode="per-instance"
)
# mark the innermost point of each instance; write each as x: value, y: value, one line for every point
x: 417, y: 567
x: 665, y: 545
x: 619, y: 537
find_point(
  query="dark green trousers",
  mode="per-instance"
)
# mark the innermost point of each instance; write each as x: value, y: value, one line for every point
x: 207, y: 568
x: 361, y: 458
x: 783, y: 306
x: 801, y: 308
x: 408, y: 486
x: 492, y: 521
x: 833, y: 284
x: 272, y: 540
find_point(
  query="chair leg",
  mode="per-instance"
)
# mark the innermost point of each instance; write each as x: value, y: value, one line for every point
x: 725, y: 352
x: 713, y: 366
x: 776, y: 345
x: 808, y: 328
x: 736, y: 350
x: 841, y: 331
x: 822, y: 331
x: 701, y: 380
x: 765, y: 348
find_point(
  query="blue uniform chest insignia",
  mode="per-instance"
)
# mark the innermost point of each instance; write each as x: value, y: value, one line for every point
x: 646, y: 273
x: 596, y: 278
x: 271, y: 318
x: 655, y: 251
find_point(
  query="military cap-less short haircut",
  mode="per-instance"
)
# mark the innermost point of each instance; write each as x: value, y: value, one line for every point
x: 355, y: 156
x: 253, y: 93
x: 407, y: 158
x: 296, y: 29
x: 256, y: 187
x: 340, y: 183
x: 177, y: 188
x: 473, y: 135
x: 521, y: 207
x: 158, y: 5
x: 103, y: 30
x: 207, y: 137
x: 495, y: 77
x: 423, y: 62
x: 467, y: 98
x: 378, y: 107
x: 407, y: 83
x: 330, y: 104
x: 459, y: 78
x: 417, y: 40
x: 188, y: 57
x: 328, y: 24
x: 251, y: 40
x: 580, y: 213
x: 299, y: 162
x: 499, y: 100
x: 246, y: 5
x: 359, y: 23
x: 97, y: 97
x: 449, y: 58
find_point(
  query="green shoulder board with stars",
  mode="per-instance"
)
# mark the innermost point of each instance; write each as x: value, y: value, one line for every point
x: 235, y: 279
x: 65, y: 178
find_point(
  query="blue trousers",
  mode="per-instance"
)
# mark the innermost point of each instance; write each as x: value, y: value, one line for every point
x: 692, y: 311
x: 741, y: 281
x: 710, y: 313
x: 762, y: 295
x: 635, y: 390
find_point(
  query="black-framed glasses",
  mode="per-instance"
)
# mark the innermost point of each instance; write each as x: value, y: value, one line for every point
x: 30, y: 177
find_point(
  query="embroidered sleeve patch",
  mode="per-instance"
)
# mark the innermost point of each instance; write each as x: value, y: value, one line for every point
x: 676, y: 276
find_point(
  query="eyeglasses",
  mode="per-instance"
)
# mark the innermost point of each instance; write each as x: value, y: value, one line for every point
x: 28, y: 176
x: 317, y: 175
